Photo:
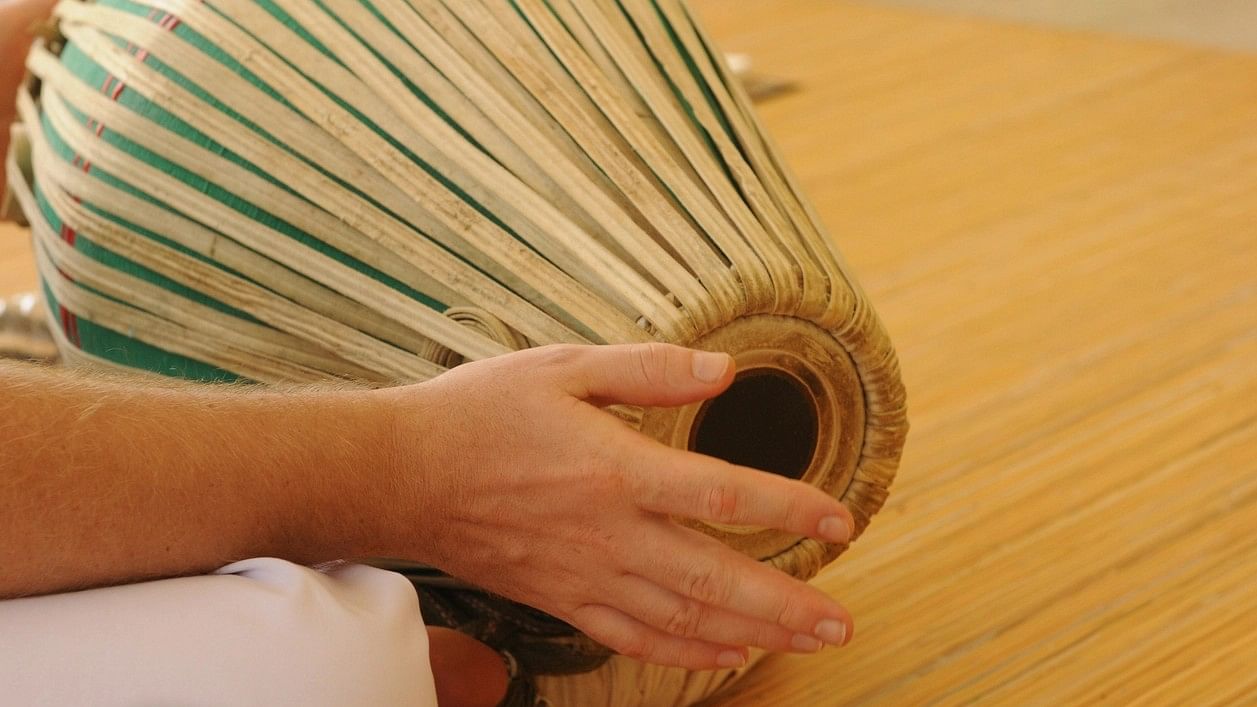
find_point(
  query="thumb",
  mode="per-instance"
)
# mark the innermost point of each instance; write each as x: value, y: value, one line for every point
x: 648, y: 374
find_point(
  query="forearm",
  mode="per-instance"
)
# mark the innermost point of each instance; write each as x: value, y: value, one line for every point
x: 106, y: 481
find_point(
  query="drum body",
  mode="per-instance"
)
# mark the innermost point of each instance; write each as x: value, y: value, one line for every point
x: 285, y: 190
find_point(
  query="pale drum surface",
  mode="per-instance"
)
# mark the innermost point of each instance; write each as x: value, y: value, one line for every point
x: 1060, y: 231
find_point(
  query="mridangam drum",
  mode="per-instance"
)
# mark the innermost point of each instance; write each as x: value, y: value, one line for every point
x: 287, y: 190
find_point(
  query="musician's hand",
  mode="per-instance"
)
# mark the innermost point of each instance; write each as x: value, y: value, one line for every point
x: 510, y: 476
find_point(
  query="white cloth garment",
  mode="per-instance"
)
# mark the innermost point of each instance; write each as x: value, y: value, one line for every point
x: 257, y: 632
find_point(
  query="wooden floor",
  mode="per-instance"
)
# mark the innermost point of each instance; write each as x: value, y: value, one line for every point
x: 1226, y: 24
x: 1060, y: 231
x: 17, y: 271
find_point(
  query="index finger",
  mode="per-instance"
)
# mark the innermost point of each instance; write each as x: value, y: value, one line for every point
x: 689, y: 485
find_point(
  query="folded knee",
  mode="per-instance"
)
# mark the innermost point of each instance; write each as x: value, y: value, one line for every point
x: 259, y: 632
x: 351, y: 635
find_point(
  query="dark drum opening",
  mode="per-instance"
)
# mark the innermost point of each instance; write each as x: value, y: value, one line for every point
x: 765, y: 420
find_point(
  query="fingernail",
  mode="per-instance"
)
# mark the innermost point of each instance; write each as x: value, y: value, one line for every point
x: 709, y: 367
x: 831, y: 631
x: 731, y: 659
x: 834, y: 529
x: 804, y: 643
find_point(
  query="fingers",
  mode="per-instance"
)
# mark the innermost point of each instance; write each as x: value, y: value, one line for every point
x: 686, y: 618
x: 642, y: 374
x: 688, y: 485
x: 705, y: 570
x: 630, y: 637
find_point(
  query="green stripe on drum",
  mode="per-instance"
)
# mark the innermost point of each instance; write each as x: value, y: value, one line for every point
x: 114, y: 346
x: 95, y: 76
x: 83, y: 243
x: 107, y: 344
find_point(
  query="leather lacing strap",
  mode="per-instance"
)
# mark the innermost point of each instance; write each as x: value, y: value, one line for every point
x: 531, y: 642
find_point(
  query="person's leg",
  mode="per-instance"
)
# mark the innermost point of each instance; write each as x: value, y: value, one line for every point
x: 259, y: 632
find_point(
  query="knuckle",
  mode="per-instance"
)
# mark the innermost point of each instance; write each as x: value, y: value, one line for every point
x: 514, y: 555
x: 635, y: 646
x: 708, y: 584
x: 723, y: 504
x: 650, y: 361
x: 790, y: 503
x: 794, y: 511
x: 641, y: 488
x: 686, y: 621
x: 771, y: 638
x: 789, y: 611
x: 557, y: 355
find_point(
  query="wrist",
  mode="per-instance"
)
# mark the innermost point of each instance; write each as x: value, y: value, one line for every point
x: 338, y: 486
x: 387, y: 496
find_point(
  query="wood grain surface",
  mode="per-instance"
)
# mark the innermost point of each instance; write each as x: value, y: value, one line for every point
x: 1225, y: 24
x: 1060, y: 230
x: 17, y: 267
